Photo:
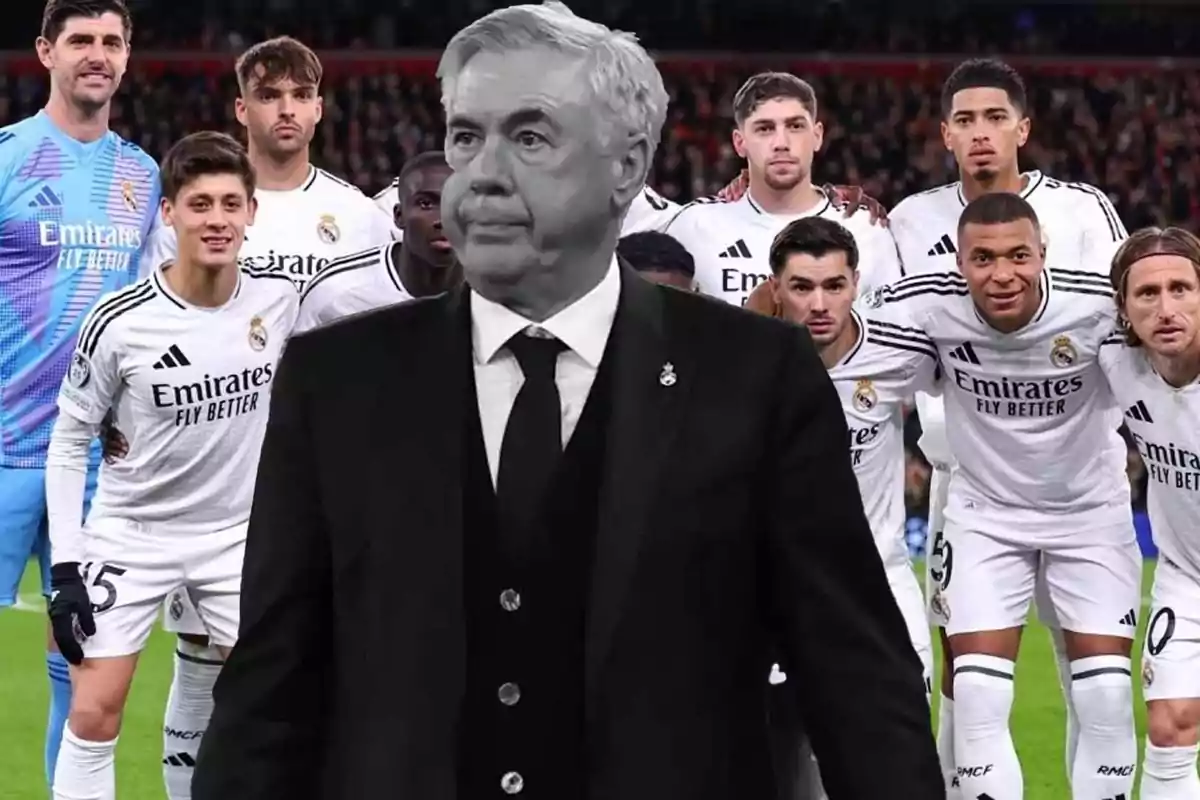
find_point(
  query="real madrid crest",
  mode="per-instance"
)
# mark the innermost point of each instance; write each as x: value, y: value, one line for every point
x: 1063, y: 353
x: 1147, y: 673
x: 127, y: 196
x: 258, y: 334
x: 327, y: 229
x: 864, y: 397
x: 80, y: 372
x: 176, y: 607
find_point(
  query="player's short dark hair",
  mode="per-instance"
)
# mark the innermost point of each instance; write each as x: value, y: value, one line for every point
x: 997, y: 208
x: 814, y: 236
x: 57, y: 12
x: 204, y: 153
x: 278, y: 59
x: 766, y: 86
x: 652, y: 251
x: 1143, y: 244
x: 985, y: 73
x: 430, y: 158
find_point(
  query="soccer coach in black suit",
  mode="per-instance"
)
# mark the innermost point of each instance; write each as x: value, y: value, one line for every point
x: 540, y: 538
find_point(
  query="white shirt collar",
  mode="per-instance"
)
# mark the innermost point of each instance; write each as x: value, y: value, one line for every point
x: 582, y: 326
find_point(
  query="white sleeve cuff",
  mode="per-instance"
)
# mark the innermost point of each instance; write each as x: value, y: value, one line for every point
x: 66, y: 485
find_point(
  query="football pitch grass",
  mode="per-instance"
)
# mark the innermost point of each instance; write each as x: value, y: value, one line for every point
x: 1037, y: 714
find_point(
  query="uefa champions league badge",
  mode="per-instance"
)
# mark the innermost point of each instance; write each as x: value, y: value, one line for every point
x: 1063, y: 353
x: 864, y: 398
x: 327, y: 229
x: 258, y: 334
x: 873, y: 298
x: 79, y: 372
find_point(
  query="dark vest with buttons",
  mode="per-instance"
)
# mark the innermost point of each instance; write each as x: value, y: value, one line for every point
x: 521, y: 730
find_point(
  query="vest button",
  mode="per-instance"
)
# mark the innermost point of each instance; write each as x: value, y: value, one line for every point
x: 510, y: 600
x: 509, y: 694
x: 512, y: 783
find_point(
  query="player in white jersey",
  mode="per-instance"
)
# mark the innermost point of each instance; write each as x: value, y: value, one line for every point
x: 306, y: 216
x: 1038, y: 488
x: 420, y: 265
x: 1153, y: 366
x: 778, y: 134
x: 815, y: 264
x: 184, y: 360
x: 985, y: 123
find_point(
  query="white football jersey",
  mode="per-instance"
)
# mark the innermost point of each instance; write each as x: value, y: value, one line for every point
x: 1079, y: 224
x: 359, y: 282
x: 1033, y: 425
x: 885, y: 366
x: 298, y: 232
x: 1165, y: 426
x: 649, y: 211
x: 190, y: 389
x: 386, y: 201
x: 731, y: 243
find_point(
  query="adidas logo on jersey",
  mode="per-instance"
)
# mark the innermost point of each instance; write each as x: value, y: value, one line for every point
x: 736, y: 250
x: 943, y: 247
x: 1139, y: 412
x: 45, y: 198
x: 174, y: 357
x: 1129, y: 619
x: 965, y: 352
x: 179, y: 760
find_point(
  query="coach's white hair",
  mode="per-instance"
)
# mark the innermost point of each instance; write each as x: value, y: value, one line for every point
x: 620, y: 72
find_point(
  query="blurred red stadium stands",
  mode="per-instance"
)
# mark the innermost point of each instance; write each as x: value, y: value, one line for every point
x: 1130, y: 126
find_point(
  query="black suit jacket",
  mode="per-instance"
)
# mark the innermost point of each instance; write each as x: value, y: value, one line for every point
x: 730, y: 524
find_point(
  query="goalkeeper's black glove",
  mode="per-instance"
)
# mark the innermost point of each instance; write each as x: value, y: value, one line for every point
x: 71, y: 618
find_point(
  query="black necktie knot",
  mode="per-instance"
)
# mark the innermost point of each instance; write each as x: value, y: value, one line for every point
x: 537, y: 355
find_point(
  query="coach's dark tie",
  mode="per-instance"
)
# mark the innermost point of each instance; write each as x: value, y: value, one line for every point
x: 532, y: 444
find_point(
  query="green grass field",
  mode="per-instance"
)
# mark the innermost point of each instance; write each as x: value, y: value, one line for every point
x: 1037, y: 717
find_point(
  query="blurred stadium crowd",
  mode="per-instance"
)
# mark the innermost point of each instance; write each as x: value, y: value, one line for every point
x: 1110, y: 107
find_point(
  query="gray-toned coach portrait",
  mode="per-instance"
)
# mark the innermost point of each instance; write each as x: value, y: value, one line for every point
x: 543, y: 536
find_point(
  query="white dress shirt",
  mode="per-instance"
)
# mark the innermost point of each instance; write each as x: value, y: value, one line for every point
x: 583, y: 327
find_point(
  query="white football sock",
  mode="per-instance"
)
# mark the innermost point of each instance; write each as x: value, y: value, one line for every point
x: 1064, y: 680
x: 189, y: 709
x: 945, y: 747
x: 1169, y: 773
x: 85, y: 770
x: 984, y: 754
x: 1106, y: 759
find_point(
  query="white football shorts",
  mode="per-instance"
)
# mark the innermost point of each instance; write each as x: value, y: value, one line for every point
x: 131, y: 568
x: 986, y: 582
x: 1171, y: 661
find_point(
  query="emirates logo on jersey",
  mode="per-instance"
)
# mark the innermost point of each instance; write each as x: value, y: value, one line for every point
x: 327, y: 229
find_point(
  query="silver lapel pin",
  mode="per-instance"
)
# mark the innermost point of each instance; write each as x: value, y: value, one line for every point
x: 668, y: 377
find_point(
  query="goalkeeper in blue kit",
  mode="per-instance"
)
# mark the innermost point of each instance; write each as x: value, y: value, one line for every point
x: 77, y: 205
